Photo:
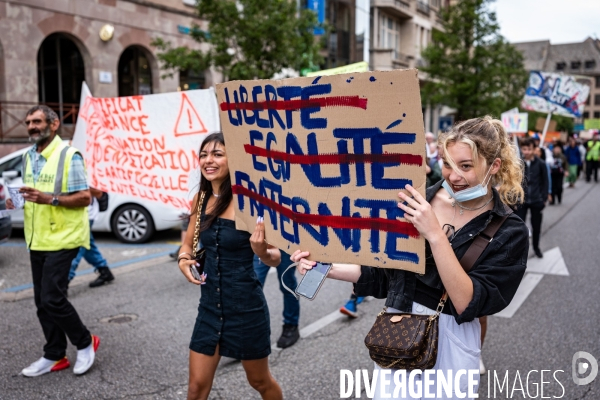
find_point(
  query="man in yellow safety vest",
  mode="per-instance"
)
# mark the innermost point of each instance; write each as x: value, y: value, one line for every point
x: 592, y: 158
x: 56, y: 197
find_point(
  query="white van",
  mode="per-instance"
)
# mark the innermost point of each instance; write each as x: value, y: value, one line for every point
x: 130, y: 219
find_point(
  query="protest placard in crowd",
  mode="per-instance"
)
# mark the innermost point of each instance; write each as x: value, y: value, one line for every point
x: 549, y: 92
x: 322, y: 159
x: 145, y: 146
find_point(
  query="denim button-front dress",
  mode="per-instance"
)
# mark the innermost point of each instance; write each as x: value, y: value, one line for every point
x: 233, y: 311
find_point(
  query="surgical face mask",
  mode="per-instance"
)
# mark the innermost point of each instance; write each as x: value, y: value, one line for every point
x: 471, y: 193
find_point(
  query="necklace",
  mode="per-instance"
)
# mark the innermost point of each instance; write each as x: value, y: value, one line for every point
x: 462, y: 208
x: 216, y: 195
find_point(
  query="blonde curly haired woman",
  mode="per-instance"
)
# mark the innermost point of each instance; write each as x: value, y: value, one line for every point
x: 482, y: 178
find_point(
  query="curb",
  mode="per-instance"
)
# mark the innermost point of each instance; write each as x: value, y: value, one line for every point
x: 87, y: 278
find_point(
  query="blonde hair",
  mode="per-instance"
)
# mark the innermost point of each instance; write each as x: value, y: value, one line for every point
x: 487, y: 139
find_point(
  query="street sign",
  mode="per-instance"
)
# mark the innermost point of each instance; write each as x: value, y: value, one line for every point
x: 318, y: 6
x: 446, y: 122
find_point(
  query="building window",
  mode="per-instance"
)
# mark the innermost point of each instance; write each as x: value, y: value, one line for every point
x: 560, y: 66
x: 596, y: 100
x: 135, y: 75
x: 190, y: 80
x: 61, y: 72
x: 598, y: 81
x: 575, y: 64
x: 590, y: 64
x: 390, y: 36
x: 596, y: 114
x: 586, y: 114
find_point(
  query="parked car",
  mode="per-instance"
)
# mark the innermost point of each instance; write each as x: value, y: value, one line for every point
x: 5, y: 223
x: 130, y: 219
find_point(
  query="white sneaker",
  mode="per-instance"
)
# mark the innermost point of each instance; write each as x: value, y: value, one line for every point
x: 43, y: 366
x: 85, y: 357
x: 482, y: 369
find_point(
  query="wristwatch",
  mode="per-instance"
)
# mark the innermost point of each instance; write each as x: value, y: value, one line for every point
x: 55, y: 201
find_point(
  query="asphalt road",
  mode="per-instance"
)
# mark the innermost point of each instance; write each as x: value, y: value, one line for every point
x: 144, y: 354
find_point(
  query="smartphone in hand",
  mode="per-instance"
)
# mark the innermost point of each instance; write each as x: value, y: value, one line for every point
x: 312, y: 281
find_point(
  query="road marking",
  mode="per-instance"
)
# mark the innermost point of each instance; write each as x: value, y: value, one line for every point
x: 320, y: 323
x: 315, y: 326
x: 91, y: 270
x: 553, y: 263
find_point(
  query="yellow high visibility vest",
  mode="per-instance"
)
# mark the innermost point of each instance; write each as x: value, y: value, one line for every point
x: 47, y: 227
x: 593, y: 153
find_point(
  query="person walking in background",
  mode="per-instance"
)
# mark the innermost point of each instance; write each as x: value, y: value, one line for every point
x: 93, y: 255
x: 573, y: 156
x: 583, y: 152
x: 291, y: 305
x: 558, y: 170
x: 185, y: 222
x: 535, y: 184
x: 431, y: 149
x: 55, y: 225
x: 433, y: 172
x: 351, y: 307
x: 591, y: 159
x: 233, y: 317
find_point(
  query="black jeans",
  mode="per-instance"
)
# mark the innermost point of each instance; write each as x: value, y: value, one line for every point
x: 557, y: 187
x: 536, y: 219
x: 59, y: 320
x: 591, y: 166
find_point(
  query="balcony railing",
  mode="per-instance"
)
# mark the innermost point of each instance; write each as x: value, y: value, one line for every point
x: 12, y: 120
x: 423, y: 7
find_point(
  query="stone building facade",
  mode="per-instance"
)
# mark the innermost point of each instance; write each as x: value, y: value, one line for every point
x: 47, y: 48
x: 400, y: 30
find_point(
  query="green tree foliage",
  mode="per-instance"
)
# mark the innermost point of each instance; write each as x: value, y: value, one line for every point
x: 470, y: 66
x: 247, y: 39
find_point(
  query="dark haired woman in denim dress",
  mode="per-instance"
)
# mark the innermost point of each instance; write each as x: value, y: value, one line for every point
x: 233, y: 318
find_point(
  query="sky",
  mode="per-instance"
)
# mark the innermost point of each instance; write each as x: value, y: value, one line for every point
x: 560, y: 21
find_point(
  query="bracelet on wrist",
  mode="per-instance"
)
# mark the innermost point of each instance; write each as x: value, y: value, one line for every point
x: 181, y: 254
x: 183, y: 258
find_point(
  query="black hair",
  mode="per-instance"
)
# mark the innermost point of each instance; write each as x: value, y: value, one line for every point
x: 49, y: 113
x: 225, y: 194
x: 527, y: 141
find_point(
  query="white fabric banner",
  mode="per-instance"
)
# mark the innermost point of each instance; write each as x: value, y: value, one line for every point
x: 146, y: 146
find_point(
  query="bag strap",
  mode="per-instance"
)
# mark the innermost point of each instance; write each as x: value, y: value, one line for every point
x: 197, y: 227
x: 481, y: 241
x: 479, y: 244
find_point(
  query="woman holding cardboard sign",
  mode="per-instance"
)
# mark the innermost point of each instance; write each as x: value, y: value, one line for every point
x: 482, y: 177
x: 233, y: 318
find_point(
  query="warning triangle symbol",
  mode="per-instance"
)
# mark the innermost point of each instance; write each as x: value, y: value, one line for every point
x: 188, y: 120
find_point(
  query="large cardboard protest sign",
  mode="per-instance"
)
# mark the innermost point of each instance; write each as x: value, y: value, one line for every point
x: 556, y: 93
x: 146, y: 146
x: 322, y: 159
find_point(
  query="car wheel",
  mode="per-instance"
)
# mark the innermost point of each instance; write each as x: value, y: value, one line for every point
x: 132, y: 224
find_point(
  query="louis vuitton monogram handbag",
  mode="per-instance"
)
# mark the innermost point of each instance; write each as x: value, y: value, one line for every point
x: 410, y: 341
